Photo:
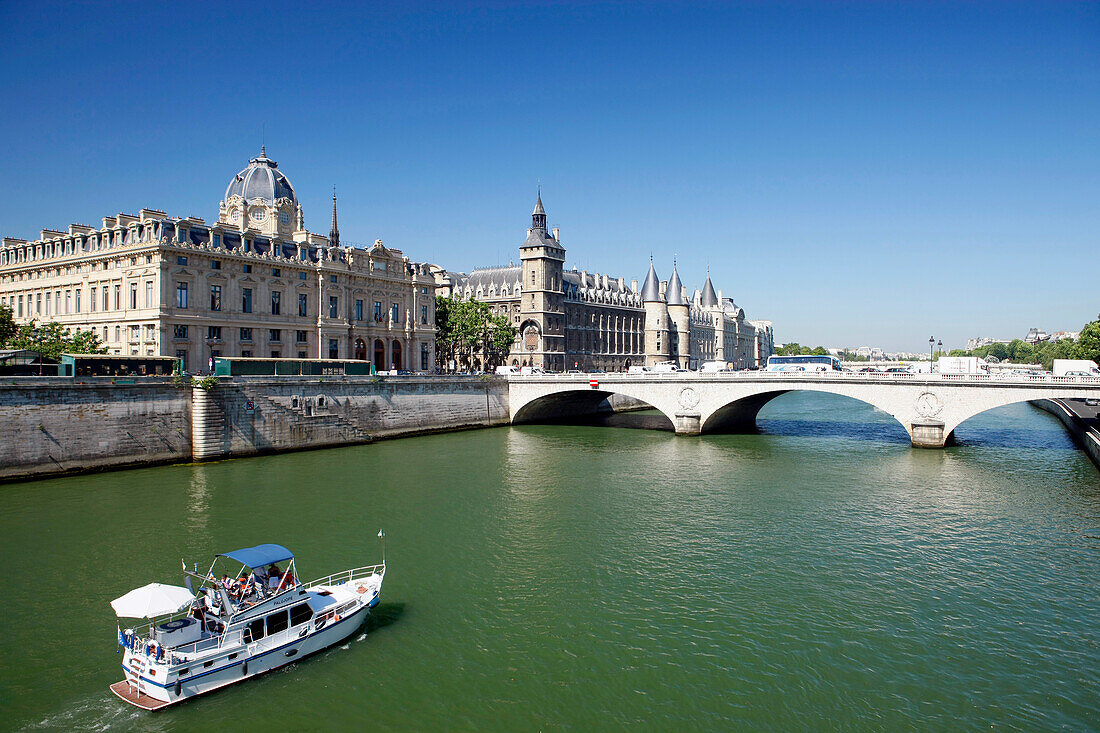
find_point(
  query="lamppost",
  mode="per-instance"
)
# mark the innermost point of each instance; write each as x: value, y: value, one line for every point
x: 931, y: 343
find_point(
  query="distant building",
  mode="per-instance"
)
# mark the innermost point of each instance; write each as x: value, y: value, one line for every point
x: 1036, y: 335
x: 981, y: 341
x: 570, y: 319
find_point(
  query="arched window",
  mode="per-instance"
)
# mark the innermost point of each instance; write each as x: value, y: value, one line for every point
x: 396, y: 358
x: 360, y: 350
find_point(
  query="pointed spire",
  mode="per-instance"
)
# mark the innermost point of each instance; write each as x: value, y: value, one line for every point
x: 334, y: 232
x: 538, y: 216
x: 674, y: 293
x: 710, y: 300
x: 651, y: 290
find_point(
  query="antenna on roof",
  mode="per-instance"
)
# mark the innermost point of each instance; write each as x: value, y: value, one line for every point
x: 263, y: 140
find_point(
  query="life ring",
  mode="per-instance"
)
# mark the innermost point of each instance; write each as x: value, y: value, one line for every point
x: 177, y: 624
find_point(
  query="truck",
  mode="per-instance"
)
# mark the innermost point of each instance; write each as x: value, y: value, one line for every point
x: 961, y: 365
x: 1075, y: 368
x: 665, y: 366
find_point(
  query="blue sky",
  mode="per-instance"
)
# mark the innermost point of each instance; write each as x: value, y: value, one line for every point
x: 859, y: 173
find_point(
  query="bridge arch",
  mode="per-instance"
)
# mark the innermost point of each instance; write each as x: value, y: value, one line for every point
x: 574, y: 403
x: 740, y: 413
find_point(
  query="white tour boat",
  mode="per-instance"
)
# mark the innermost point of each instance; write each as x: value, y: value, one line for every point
x: 235, y: 627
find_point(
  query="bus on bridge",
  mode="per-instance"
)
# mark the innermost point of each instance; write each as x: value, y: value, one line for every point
x: 803, y: 363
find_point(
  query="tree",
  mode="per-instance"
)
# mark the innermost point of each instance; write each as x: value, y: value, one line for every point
x: 998, y: 350
x: 468, y: 328
x: 51, y: 340
x: 1088, y: 343
x: 7, y: 324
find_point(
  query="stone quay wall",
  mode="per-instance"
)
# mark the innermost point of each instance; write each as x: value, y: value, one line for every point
x: 54, y: 425
x: 247, y: 415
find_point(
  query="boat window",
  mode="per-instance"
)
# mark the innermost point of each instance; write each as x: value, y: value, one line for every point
x: 232, y: 657
x: 254, y: 631
x: 184, y: 671
x: 300, y: 614
x: 276, y: 622
x: 207, y: 664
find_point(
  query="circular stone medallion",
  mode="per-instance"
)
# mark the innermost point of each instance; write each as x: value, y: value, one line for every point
x: 688, y: 398
x: 929, y: 405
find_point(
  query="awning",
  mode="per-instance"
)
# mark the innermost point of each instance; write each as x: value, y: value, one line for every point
x: 260, y: 555
x: 150, y: 601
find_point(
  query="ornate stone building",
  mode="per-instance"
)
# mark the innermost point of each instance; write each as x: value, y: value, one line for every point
x: 254, y: 283
x: 570, y: 319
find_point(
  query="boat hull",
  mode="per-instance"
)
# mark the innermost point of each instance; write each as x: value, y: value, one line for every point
x: 149, y: 694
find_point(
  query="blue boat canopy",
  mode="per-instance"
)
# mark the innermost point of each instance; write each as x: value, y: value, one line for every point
x: 260, y: 555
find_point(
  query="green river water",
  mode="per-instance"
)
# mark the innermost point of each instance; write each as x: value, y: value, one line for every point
x: 818, y: 575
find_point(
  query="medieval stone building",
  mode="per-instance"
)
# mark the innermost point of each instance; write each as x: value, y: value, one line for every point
x: 570, y: 319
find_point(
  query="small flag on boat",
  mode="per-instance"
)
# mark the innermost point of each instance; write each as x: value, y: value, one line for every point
x: 121, y: 641
x: 184, y: 564
x: 381, y: 534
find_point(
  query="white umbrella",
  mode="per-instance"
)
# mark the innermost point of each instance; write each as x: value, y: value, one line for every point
x: 150, y: 601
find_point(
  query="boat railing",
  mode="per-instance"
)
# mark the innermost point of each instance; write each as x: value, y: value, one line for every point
x: 348, y: 575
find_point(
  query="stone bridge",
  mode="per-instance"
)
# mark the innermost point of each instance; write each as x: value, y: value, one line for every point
x: 929, y: 406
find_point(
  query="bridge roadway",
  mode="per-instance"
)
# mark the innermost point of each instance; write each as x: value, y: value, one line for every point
x: 929, y: 406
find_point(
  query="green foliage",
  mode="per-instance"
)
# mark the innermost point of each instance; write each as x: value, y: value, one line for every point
x: 51, y: 339
x: 7, y: 324
x: 468, y: 328
x: 1087, y: 346
x: 796, y: 349
x: 1088, y: 343
x: 207, y: 383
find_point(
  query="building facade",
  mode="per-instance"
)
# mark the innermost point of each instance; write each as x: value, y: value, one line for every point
x: 254, y: 283
x: 570, y: 319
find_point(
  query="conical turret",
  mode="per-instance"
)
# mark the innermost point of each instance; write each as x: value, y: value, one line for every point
x: 651, y: 289
x: 674, y: 293
x: 710, y: 300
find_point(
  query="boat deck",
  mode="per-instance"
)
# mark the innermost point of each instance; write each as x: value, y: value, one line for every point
x: 135, y: 698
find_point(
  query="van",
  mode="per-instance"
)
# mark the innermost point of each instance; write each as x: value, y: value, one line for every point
x: 506, y: 370
x: 638, y: 370
x: 665, y: 367
x: 529, y: 370
x: 709, y: 367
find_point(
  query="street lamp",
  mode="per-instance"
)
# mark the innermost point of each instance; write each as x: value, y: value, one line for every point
x: 931, y: 342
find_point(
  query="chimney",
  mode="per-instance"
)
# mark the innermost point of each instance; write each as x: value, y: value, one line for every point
x: 633, y: 286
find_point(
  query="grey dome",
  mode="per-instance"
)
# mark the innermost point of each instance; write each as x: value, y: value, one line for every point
x: 261, y: 179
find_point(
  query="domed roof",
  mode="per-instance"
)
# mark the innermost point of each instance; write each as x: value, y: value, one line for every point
x: 261, y: 179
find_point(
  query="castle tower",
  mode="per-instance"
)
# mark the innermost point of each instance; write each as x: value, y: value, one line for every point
x: 542, y: 310
x: 656, y: 319
x: 679, y: 317
x: 713, y: 307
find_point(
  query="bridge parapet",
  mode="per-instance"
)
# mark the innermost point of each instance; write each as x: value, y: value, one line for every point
x: 929, y: 406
